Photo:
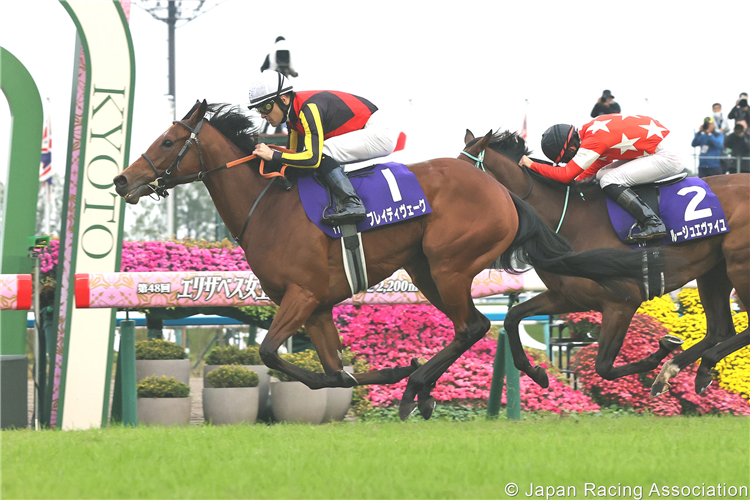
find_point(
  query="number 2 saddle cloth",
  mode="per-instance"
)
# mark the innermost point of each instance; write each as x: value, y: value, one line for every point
x: 390, y: 191
x: 689, y: 209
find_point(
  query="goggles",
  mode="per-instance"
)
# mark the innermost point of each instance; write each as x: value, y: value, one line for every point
x: 265, y: 107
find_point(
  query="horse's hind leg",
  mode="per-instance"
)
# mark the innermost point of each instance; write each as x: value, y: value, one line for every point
x: 325, y: 337
x: 714, y: 288
x: 738, y: 268
x: 453, y: 297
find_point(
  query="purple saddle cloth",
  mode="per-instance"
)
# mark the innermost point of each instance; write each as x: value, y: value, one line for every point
x: 689, y: 209
x: 390, y: 191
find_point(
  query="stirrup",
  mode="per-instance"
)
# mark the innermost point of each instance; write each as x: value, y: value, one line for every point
x: 633, y: 239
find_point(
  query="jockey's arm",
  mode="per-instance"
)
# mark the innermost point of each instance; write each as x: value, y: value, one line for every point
x: 583, y: 159
x: 310, y: 151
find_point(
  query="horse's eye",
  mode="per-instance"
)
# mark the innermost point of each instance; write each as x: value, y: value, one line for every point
x: 167, y: 143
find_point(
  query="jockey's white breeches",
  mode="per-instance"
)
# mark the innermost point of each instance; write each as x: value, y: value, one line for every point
x: 377, y: 139
x: 660, y: 165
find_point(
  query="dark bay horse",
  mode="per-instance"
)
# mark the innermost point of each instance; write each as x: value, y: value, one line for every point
x: 473, y: 223
x: 718, y: 263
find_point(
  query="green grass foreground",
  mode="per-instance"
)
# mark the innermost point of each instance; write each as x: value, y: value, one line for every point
x: 377, y: 460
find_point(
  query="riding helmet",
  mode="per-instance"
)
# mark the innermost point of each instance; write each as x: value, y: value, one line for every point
x: 555, y: 141
x: 269, y: 85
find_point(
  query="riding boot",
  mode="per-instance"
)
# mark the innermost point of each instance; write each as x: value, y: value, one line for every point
x: 350, y: 208
x: 652, y: 227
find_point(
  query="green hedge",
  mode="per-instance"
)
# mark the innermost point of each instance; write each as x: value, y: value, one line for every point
x: 162, y: 387
x: 232, y: 376
x: 158, y: 349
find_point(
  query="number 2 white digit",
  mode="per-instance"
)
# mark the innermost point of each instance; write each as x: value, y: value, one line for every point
x: 690, y: 212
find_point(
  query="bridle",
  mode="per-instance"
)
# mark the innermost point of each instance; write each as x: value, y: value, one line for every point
x: 160, y: 185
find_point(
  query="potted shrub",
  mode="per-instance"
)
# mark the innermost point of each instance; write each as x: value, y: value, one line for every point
x: 161, y: 358
x: 232, y: 397
x: 340, y: 398
x: 163, y: 401
x: 293, y: 401
x: 248, y: 358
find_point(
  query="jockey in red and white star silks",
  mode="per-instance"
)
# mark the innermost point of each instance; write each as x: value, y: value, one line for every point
x: 608, y: 142
x: 621, y: 151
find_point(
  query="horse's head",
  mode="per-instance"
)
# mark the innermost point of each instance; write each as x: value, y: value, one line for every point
x: 157, y: 169
x: 475, y: 148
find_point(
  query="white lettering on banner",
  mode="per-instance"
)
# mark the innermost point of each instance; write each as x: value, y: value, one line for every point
x: 245, y: 288
x: 392, y: 184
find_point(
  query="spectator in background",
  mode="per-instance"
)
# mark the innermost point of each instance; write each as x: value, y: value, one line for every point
x: 722, y: 124
x: 605, y: 105
x: 740, y: 113
x: 738, y: 146
x: 711, y: 142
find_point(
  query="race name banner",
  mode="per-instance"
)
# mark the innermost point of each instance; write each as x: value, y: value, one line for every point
x: 15, y: 292
x: 242, y: 288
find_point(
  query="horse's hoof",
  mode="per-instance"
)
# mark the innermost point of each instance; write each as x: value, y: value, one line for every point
x: 702, y: 381
x: 426, y: 407
x: 539, y: 375
x: 659, y: 388
x: 670, y: 342
x: 405, y: 409
x: 346, y: 379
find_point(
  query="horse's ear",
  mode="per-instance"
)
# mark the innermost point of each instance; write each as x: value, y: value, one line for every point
x: 485, y: 141
x: 192, y: 110
x: 468, y: 137
x: 202, y: 109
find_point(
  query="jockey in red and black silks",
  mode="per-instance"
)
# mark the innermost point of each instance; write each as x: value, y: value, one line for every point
x: 327, y: 129
x: 319, y: 115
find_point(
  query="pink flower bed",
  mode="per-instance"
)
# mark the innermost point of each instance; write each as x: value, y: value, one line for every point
x: 389, y: 336
x: 634, y: 390
x: 148, y: 256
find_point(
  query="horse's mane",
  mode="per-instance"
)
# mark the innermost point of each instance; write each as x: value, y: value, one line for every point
x: 512, y: 145
x: 234, y: 125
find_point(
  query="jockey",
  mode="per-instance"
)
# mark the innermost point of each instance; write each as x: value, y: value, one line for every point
x: 326, y: 129
x: 621, y: 151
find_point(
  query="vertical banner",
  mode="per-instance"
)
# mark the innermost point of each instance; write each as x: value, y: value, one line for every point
x: 91, y: 236
x: 21, y: 188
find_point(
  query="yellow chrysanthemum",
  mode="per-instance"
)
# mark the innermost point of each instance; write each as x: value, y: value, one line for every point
x: 662, y: 309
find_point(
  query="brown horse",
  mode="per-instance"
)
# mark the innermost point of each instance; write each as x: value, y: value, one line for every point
x: 718, y: 263
x: 473, y: 223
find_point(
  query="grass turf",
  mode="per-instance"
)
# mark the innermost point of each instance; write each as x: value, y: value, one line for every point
x: 376, y: 460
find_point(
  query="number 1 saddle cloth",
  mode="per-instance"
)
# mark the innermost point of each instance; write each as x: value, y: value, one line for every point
x: 390, y: 192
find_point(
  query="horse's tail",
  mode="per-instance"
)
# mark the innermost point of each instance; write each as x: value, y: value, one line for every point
x: 537, y: 245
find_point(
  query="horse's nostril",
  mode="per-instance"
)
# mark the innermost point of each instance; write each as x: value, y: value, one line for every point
x: 120, y: 181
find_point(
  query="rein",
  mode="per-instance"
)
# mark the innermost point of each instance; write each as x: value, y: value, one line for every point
x: 159, y: 185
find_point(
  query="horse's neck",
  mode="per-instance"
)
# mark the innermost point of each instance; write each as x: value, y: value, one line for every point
x: 548, y: 202
x: 235, y: 189
x: 509, y: 175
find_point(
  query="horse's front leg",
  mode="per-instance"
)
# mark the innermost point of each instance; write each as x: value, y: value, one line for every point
x: 547, y: 302
x: 615, y: 323
x: 295, y: 308
x: 325, y: 337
